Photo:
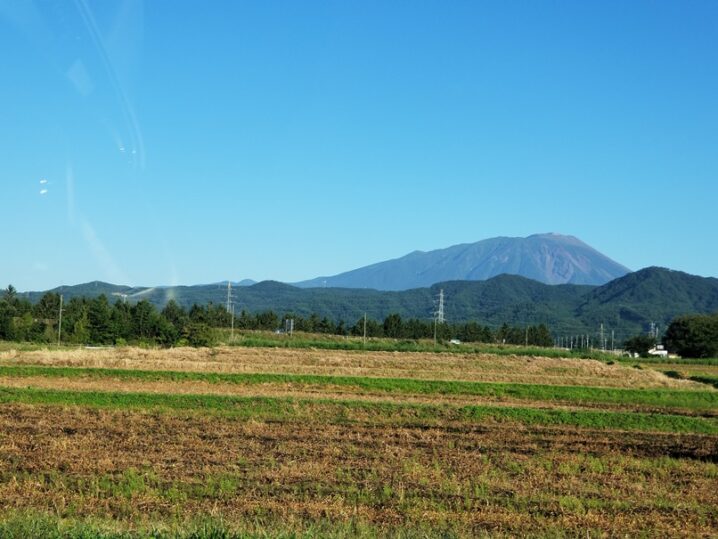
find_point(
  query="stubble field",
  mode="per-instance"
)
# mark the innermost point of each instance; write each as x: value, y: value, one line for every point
x: 305, y: 443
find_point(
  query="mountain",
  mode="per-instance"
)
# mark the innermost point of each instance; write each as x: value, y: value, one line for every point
x: 626, y: 306
x: 649, y: 295
x: 547, y: 258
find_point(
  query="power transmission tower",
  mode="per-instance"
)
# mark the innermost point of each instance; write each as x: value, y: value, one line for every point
x: 229, y: 297
x: 439, y: 313
x: 440, y: 309
x: 230, y: 308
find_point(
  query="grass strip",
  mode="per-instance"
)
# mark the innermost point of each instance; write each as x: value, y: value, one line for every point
x: 412, y: 345
x: 659, y: 398
x: 707, y: 361
x: 348, y: 411
x: 26, y: 524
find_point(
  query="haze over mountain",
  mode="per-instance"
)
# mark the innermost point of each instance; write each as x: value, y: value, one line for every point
x: 547, y: 258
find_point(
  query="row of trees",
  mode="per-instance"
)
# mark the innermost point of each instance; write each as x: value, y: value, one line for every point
x: 97, y: 321
x: 694, y: 336
x: 395, y: 327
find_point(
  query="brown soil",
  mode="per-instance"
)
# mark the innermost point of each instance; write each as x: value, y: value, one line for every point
x: 496, y: 476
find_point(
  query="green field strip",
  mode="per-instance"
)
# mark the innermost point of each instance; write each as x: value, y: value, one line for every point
x: 659, y: 398
x: 410, y: 345
x: 348, y: 411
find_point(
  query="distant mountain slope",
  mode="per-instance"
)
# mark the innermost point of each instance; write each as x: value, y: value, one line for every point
x: 547, y: 258
x: 626, y: 305
x: 91, y: 290
x: 649, y: 295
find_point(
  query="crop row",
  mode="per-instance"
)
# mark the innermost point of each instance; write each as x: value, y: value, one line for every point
x: 348, y: 411
x: 659, y: 398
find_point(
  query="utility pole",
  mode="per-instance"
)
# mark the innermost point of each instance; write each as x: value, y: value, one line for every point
x: 612, y: 342
x: 603, y: 342
x: 364, y: 339
x: 59, y: 323
x: 230, y: 307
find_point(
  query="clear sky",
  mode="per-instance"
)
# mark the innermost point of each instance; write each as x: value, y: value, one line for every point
x: 185, y: 142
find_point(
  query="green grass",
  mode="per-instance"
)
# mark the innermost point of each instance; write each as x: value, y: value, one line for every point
x: 659, y: 398
x: 348, y: 411
x: 333, y: 342
x: 711, y: 361
x: 33, y: 524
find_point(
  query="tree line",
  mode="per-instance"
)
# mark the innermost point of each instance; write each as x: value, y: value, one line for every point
x: 693, y: 336
x: 97, y: 321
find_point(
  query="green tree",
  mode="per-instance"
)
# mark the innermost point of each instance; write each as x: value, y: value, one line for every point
x: 122, y: 321
x: 6, y: 322
x: 417, y: 329
x: 175, y: 315
x: 199, y: 334
x: 639, y: 344
x: 246, y: 321
x: 10, y: 294
x: 166, y: 333
x: 99, y: 321
x: 267, y: 320
x: 693, y: 336
x: 393, y: 326
x: 143, y: 320
x: 48, y: 308
x: 325, y: 326
x: 540, y: 336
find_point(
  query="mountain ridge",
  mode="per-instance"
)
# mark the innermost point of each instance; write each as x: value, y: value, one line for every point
x: 549, y: 258
x: 627, y: 305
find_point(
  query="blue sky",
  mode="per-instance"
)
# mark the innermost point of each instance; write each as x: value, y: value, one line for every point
x: 185, y: 142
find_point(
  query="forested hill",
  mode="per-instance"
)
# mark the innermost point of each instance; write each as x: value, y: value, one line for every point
x: 627, y: 305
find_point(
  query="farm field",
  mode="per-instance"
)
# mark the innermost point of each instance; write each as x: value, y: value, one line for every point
x: 703, y: 371
x: 267, y: 442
